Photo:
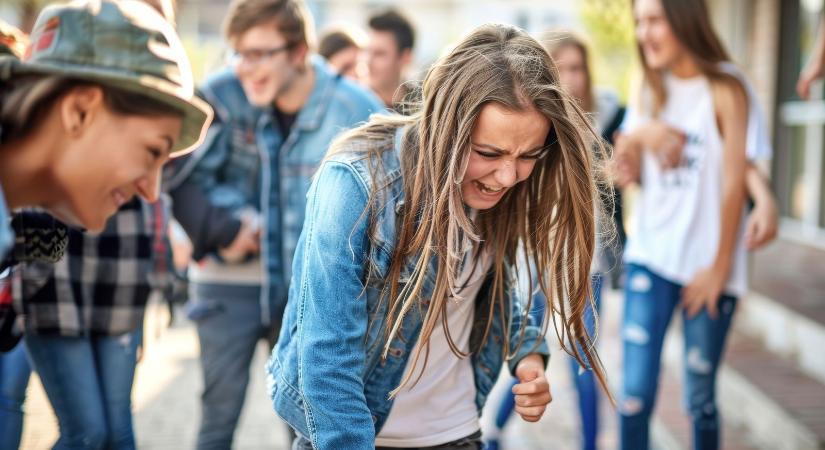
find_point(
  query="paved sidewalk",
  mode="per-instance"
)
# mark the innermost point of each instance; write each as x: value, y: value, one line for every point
x: 168, y: 383
x: 166, y: 397
x: 559, y: 427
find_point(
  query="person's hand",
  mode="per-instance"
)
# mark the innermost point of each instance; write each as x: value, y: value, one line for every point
x: 533, y: 390
x: 704, y: 292
x: 666, y: 142
x: 809, y: 74
x: 247, y: 241
x: 762, y: 224
x: 626, y: 164
x: 181, y: 247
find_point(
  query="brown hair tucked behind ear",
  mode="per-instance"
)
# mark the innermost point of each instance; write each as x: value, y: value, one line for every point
x: 25, y: 101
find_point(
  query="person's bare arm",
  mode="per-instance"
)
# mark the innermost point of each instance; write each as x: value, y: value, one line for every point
x: 763, y: 220
x: 815, y: 67
x: 732, y: 115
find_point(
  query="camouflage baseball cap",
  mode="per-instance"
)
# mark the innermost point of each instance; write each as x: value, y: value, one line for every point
x: 124, y: 44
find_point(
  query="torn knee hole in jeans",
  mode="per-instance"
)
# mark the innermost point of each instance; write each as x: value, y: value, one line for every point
x: 125, y: 340
x: 697, y: 363
x: 640, y: 282
x: 631, y: 406
x: 636, y: 334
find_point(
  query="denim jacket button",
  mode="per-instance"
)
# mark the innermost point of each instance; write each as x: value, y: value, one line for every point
x: 374, y: 418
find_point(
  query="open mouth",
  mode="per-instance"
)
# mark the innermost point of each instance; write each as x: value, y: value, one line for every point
x: 486, y: 189
x: 259, y: 85
x: 651, y: 49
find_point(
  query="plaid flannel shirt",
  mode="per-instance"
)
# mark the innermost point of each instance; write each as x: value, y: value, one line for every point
x: 102, y: 284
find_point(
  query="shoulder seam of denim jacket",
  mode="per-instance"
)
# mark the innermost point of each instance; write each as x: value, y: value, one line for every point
x: 210, y: 91
x: 387, y: 179
x: 361, y: 182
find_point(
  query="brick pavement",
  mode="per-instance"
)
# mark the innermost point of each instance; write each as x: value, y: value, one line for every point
x: 168, y: 384
x: 165, y: 397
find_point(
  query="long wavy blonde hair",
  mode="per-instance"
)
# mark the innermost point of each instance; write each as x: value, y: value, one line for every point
x: 549, y: 217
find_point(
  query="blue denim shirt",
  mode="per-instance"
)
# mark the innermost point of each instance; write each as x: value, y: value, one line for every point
x: 326, y: 376
x: 246, y: 162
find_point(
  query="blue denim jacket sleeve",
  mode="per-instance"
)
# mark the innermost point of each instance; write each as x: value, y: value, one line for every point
x: 211, y: 159
x: 332, y: 311
x: 533, y: 341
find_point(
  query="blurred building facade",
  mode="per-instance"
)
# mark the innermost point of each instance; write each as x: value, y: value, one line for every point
x: 772, y: 384
x: 772, y: 40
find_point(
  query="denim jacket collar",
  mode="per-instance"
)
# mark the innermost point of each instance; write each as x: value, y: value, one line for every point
x: 312, y: 113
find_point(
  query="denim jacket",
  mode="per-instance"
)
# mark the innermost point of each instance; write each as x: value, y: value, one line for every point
x: 246, y: 162
x: 6, y: 233
x: 326, y: 376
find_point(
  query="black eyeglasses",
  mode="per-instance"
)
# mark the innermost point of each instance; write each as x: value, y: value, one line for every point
x: 254, y: 56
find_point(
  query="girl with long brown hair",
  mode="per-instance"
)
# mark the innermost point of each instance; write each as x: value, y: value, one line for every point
x: 405, y: 298
x: 689, y: 128
x: 570, y: 54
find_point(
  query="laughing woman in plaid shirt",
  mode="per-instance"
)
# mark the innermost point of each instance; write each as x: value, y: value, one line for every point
x: 83, y: 324
x: 83, y: 315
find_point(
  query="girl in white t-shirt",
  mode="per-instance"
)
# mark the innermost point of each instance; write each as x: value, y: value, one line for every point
x: 688, y: 248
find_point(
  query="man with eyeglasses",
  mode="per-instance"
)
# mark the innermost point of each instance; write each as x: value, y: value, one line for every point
x: 277, y: 110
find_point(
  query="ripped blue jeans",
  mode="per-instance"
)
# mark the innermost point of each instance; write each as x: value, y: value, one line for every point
x: 649, y: 304
x: 89, y: 383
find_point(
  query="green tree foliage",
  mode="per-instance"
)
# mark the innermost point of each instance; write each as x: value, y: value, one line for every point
x: 27, y: 11
x: 609, y: 25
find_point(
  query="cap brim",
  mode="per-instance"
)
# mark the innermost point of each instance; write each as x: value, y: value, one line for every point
x: 197, y: 114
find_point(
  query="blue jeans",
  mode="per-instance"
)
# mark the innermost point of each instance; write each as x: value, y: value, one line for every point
x: 14, y: 378
x: 228, y: 319
x: 88, y: 381
x: 649, y: 304
x: 585, y: 381
x: 471, y: 442
x: 586, y: 385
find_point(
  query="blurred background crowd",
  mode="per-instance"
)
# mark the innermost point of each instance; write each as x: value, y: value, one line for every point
x: 772, y: 385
